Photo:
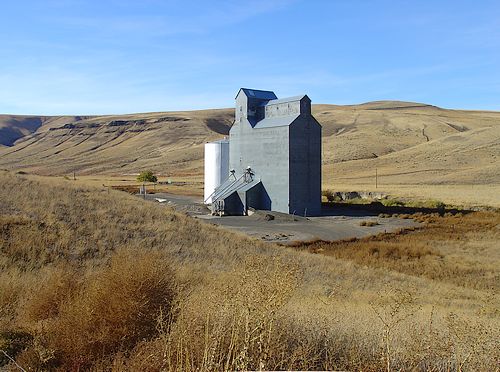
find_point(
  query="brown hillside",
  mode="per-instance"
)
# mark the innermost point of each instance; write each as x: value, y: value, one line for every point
x: 13, y: 127
x: 18, y: 127
x: 407, y: 143
x: 164, y: 142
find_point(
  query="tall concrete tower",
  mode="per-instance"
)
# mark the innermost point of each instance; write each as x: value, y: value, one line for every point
x: 274, y: 156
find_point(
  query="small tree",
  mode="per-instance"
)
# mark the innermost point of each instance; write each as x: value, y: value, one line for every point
x: 147, y: 176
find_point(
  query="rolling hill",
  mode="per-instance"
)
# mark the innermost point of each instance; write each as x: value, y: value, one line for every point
x: 406, y: 142
x: 13, y: 127
x: 164, y: 142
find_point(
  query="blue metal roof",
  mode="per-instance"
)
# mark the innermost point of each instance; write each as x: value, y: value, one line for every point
x: 277, y: 121
x: 259, y: 94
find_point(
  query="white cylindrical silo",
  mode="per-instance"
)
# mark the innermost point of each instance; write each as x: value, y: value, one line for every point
x: 216, y: 166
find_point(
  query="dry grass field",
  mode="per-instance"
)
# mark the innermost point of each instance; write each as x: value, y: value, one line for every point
x: 466, y: 196
x: 98, y: 280
x: 92, y: 278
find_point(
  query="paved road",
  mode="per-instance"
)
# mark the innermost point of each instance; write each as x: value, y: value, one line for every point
x: 192, y: 205
x: 340, y: 224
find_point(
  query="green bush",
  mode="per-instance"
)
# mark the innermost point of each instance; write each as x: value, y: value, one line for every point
x: 147, y: 176
x: 434, y: 204
x: 393, y: 203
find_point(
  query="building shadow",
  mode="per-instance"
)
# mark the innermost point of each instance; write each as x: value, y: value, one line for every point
x: 376, y: 208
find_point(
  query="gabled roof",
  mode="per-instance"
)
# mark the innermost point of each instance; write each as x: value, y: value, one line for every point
x: 284, y: 100
x: 276, y: 121
x: 259, y: 94
x: 239, y: 186
x: 249, y: 185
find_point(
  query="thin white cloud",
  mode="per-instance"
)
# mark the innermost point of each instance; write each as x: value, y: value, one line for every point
x: 205, y: 17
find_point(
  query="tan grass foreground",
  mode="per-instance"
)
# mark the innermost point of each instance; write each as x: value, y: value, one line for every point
x: 98, y: 280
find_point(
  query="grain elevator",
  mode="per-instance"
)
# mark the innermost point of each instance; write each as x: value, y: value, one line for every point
x: 272, y: 160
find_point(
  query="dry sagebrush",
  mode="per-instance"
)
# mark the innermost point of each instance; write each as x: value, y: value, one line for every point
x: 91, y: 280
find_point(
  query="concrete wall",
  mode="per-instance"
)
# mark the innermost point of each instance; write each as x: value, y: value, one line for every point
x: 282, y: 109
x: 234, y: 205
x: 241, y: 107
x: 287, y: 159
x: 256, y: 197
x: 266, y: 151
x: 248, y: 108
x: 305, y: 166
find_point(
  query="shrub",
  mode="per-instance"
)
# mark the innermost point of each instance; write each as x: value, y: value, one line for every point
x: 234, y: 325
x: 433, y: 204
x: 11, y: 343
x: 329, y: 195
x: 436, y: 204
x: 66, y: 304
x: 147, y: 176
x: 392, y: 203
x: 368, y: 223
x: 116, y: 307
x: 55, y: 285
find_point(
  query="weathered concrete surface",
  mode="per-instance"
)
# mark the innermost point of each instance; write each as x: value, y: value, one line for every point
x: 324, y: 228
x: 344, y: 223
x: 192, y: 205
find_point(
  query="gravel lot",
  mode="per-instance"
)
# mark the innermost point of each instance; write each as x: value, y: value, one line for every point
x: 341, y: 223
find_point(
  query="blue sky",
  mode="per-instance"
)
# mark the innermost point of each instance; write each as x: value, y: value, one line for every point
x: 123, y: 56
